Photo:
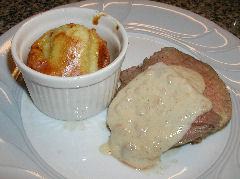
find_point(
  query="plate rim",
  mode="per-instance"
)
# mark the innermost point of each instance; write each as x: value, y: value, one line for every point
x: 9, y: 33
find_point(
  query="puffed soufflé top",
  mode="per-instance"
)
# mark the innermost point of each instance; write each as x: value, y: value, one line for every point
x: 69, y: 50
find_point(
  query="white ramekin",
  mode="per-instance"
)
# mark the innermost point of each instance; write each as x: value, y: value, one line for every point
x: 71, y: 98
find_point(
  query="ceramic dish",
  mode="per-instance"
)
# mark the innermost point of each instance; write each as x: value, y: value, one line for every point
x: 78, y: 97
x: 33, y: 145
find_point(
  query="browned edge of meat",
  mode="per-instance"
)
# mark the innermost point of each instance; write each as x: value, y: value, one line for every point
x: 215, y: 90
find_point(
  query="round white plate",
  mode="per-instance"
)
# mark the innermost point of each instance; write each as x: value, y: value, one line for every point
x: 33, y: 145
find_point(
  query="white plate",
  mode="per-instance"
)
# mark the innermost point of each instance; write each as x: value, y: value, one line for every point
x: 33, y: 145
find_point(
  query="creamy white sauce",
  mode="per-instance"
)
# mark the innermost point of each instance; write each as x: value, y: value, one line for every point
x: 153, y: 112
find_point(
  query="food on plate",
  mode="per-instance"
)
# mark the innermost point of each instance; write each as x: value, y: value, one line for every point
x: 69, y: 50
x: 169, y: 100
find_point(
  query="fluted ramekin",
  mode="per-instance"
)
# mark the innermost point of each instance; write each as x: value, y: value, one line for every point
x: 71, y: 98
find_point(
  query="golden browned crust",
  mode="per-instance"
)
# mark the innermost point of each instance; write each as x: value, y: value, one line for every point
x: 104, y: 57
x: 66, y: 54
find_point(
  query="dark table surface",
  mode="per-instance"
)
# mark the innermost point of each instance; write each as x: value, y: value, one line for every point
x: 225, y: 13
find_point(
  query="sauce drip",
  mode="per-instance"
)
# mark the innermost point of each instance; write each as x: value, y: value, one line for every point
x: 96, y: 19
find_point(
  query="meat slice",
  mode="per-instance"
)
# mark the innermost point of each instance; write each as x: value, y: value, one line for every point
x: 215, y: 90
